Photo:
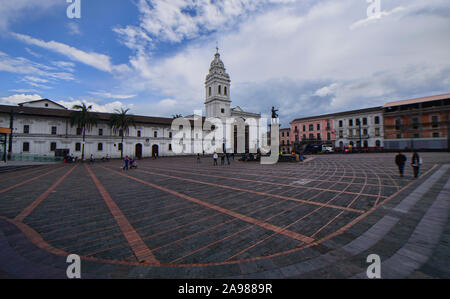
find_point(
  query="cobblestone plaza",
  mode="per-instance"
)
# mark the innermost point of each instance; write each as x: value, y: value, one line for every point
x: 175, y: 218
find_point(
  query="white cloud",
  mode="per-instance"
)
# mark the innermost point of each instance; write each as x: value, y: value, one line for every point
x: 376, y: 18
x: 68, y: 66
x: 176, y: 20
x: 36, y: 82
x: 292, y: 53
x: 22, y: 90
x: 74, y: 28
x: 20, y: 65
x: 109, y: 95
x: 305, y: 57
x: 32, y: 53
x: 168, y: 103
x: 99, y: 61
x: 326, y: 90
x: 167, y: 107
x: 16, y: 99
x: 162, y: 108
x: 34, y: 74
x: 38, y: 85
x: 35, y: 79
x: 134, y: 38
x: 106, y: 107
x: 14, y: 10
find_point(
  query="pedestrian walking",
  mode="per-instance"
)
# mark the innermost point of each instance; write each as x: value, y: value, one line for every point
x: 228, y: 159
x: 400, y: 160
x: 91, y: 159
x: 198, y: 158
x: 416, y: 161
x: 127, y: 162
x: 215, y: 157
x: 222, y: 159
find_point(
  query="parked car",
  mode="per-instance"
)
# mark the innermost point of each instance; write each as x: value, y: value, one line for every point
x: 327, y: 149
x: 313, y: 149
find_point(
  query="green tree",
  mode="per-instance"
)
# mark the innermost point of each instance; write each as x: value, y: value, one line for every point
x: 84, y: 119
x: 121, y: 122
x: 175, y: 116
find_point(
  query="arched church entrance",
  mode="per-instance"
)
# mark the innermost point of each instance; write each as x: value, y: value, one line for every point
x: 155, y: 151
x: 246, y: 140
x: 138, y: 151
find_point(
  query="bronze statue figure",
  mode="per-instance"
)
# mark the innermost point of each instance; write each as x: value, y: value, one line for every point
x: 274, y: 112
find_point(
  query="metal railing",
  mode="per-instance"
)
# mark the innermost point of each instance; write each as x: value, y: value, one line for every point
x: 33, y: 158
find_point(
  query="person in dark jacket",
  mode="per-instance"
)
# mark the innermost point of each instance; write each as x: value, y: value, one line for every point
x: 416, y: 161
x: 400, y: 160
x: 127, y: 162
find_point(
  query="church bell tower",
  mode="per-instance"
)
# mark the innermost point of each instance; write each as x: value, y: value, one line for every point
x: 217, y: 103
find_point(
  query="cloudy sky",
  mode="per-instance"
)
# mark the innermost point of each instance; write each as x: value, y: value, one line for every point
x: 304, y: 57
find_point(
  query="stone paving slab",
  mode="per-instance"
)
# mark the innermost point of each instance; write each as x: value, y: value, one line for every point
x: 426, y: 234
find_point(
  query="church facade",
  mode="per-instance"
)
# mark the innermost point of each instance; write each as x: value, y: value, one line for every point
x: 238, y: 125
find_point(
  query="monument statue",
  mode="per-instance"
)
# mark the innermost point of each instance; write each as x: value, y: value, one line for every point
x: 274, y: 112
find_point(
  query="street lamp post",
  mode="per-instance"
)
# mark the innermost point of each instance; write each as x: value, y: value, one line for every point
x: 360, y: 134
x: 448, y: 131
x: 4, y: 147
x: 11, y: 126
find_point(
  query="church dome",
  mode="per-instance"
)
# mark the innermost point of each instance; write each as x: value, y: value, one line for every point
x: 217, y: 68
x: 217, y: 62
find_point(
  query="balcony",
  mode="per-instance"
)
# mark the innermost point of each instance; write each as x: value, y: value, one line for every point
x: 358, y: 137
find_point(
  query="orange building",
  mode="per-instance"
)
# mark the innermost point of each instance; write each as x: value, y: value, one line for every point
x: 420, y: 124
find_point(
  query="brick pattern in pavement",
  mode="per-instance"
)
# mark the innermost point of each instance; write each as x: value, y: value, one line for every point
x: 175, y: 218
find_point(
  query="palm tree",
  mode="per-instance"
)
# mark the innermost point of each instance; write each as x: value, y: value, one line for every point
x: 121, y: 122
x: 84, y: 119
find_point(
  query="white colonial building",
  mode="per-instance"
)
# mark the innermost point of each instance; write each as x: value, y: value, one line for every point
x: 43, y: 127
x: 360, y: 128
x: 44, y: 131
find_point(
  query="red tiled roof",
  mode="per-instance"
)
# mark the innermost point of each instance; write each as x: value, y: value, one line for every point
x: 418, y: 100
x: 46, y: 112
